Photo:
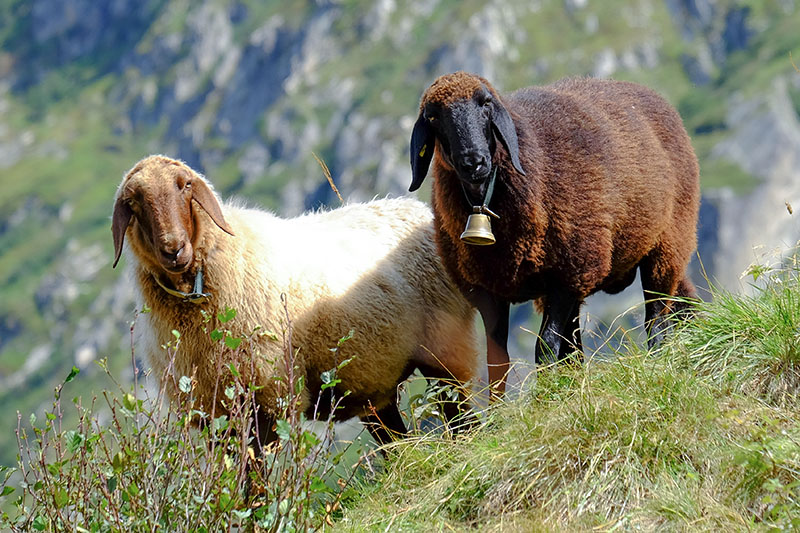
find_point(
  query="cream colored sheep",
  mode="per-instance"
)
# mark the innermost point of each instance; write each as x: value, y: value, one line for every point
x: 370, y: 267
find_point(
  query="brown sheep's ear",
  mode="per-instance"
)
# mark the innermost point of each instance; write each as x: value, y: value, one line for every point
x: 119, y: 225
x: 208, y: 201
x: 505, y: 130
x: 422, y: 144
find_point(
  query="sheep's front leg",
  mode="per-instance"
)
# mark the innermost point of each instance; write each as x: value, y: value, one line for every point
x: 560, y: 333
x: 494, y: 313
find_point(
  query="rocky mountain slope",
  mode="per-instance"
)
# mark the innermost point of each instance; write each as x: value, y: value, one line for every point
x: 248, y: 92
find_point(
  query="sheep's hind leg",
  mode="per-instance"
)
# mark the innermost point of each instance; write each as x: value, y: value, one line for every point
x: 560, y: 331
x: 662, y: 277
x: 386, y: 424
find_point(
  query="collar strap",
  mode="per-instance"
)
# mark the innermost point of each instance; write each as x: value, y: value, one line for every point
x: 197, y: 296
x: 487, y: 197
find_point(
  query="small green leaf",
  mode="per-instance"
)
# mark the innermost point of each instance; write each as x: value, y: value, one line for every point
x: 346, y: 338
x: 176, y: 334
x: 233, y: 370
x: 33, y: 419
x: 39, y: 523
x: 220, y: 423
x: 129, y: 402
x: 118, y: 461
x: 230, y: 391
x: 185, y: 384
x: 232, y: 342
x: 6, y: 491
x: 112, y: 483
x: 74, y: 440
x: 329, y: 379
x: 227, y: 315
x: 50, y: 416
x: 61, y: 498
x: 283, y: 429
x: 224, y: 501
x: 310, y: 438
x: 74, y: 372
x: 318, y: 485
x: 241, y: 515
x: 216, y: 335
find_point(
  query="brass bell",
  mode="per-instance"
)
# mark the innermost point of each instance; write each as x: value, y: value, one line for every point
x: 478, y: 231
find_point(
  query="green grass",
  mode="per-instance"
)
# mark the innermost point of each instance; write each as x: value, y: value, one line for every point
x: 750, y: 344
x: 702, y: 435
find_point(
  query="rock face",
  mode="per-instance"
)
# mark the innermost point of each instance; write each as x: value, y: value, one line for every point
x: 765, y: 141
x: 714, y: 30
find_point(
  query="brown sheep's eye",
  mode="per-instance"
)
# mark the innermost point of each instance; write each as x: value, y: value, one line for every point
x: 431, y: 119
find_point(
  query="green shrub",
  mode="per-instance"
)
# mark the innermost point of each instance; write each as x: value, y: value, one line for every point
x: 136, y: 462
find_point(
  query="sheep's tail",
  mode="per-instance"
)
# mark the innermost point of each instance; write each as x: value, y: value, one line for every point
x: 686, y: 289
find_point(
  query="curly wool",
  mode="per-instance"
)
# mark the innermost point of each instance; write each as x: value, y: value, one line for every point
x: 453, y: 87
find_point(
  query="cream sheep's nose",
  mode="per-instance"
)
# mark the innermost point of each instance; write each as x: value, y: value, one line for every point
x: 176, y: 257
x: 172, y: 254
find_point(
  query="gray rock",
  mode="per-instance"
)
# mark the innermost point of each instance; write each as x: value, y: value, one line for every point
x: 765, y: 142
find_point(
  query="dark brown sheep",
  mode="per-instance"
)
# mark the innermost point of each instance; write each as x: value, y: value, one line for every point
x: 594, y: 178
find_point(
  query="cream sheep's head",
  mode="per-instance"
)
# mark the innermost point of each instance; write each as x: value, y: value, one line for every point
x: 155, y: 201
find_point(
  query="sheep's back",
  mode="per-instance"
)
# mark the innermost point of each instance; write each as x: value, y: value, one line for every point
x: 370, y: 268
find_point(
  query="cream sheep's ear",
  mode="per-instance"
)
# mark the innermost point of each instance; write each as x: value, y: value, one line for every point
x: 119, y: 225
x: 422, y: 145
x: 204, y: 196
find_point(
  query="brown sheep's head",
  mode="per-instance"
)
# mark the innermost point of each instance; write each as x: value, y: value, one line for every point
x: 155, y: 201
x: 465, y: 115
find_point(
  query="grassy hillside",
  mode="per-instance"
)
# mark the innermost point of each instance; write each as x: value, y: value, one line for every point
x: 702, y: 435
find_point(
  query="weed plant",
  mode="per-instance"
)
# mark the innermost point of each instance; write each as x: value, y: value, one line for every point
x: 137, y: 462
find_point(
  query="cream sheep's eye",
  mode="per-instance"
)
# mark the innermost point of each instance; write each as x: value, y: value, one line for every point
x: 431, y: 119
